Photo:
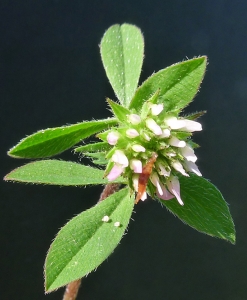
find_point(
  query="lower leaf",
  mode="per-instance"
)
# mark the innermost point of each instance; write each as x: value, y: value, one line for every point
x: 86, y: 241
x: 204, y: 208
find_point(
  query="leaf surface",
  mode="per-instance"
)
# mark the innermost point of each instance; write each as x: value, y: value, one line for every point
x: 122, y: 49
x: 52, y: 141
x: 204, y: 208
x: 86, y: 241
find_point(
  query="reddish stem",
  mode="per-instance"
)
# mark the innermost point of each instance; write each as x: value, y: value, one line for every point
x: 72, y: 288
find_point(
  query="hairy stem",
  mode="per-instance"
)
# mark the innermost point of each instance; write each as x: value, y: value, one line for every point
x: 72, y: 288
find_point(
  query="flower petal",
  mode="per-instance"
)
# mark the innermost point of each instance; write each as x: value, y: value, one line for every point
x: 156, y: 109
x: 188, y: 153
x: 192, y: 167
x: 120, y: 158
x: 134, y: 119
x: 165, y: 195
x: 174, y: 187
x: 176, y: 142
x: 138, y: 148
x: 112, y: 137
x: 115, y: 172
x: 179, y: 167
x: 191, y: 126
x: 136, y: 165
x: 174, y: 123
x: 153, y: 126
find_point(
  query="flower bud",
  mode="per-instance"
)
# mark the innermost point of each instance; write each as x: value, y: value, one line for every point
x: 153, y: 126
x: 134, y: 119
x: 131, y: 133
x: 113, y: 137
x: 138, y: 148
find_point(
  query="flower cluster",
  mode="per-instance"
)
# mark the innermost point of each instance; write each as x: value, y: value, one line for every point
x: 150, y: 148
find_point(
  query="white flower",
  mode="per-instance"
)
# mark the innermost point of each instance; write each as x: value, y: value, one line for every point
x: 174, y: 123
x: 153, y: 126
x: 121, y: 162
x: 120, y: 158
x: 165, y: 195
x: 113, y: 137
x: 134, y: 119
x: 132, y: 133
x: 176, y: 142
x: 156, y: 109
x: 156, y: 182
x: 136, y: 165
x: 174, y: 187
x: 178, y: 167
x: 192, y: 167
x: 191, y: 126
x: 165, y: 133
x: 188, y: 153
x: 138, y: 148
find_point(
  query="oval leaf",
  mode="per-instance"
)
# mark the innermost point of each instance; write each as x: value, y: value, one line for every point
x: 177, y: 85
x: 58, y: 172
x: 204, y: 208
x: 86, y: 241
x: 52, y: 141
x: 122, y: 49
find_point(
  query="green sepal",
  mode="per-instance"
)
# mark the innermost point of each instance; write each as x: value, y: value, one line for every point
x: 178, y: 85
x: 118, y: 110
x: 94, y: 147
x: 204, y: 208
x: 58, y: 172
x: 98, y: 158
x: 122, y: 48
x: 195, y: 115
x: 52, y: 141
x: 86, y: 241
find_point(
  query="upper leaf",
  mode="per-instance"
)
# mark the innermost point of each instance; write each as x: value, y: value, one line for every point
x: 58, y: 172
x: 122, y: 49
x: 204, y: 208
x: 177, y: 85
x: 86, y: 241
x: 52, y: 141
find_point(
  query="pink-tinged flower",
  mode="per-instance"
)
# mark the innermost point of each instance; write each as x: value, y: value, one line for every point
x: 120, y: 158
x: 156, y: 109
x: 188, y: 153
x: 134, y: 119
x: 191, y: 126
x: 178, y: 167
x: 165, y: 195
x: 115, y: 172
x: 121, y: 162
x: 174, y: 187
x: 174, y: 123
x: 132, y: 133
x: 138, y: 148
x: 192, y: 167
x: 153, y: 126
x: 113, y: 137
x: 136, y: 165
x: 176, y: 142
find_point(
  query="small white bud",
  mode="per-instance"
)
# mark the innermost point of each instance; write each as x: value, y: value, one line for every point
x: 134, y: 119
x: 105, y: 219
x: 174, y: 123
x: 131, y: 133
x: 153, y: 126
x: 136, y: 165
x: 176, y: 142
x: 138, y: 148
x: 112, y: 138
x: 156, y: 109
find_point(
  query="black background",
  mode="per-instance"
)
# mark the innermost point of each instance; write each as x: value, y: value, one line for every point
x: 52, y: 75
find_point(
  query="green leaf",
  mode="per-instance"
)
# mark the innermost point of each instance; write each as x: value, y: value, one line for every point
x: 52, y: 141
x: 58, y: 172
x: 122, y: 49
x: 204, y: 208
x: 101, y: 146
x: 86, y: 241
x: 119, y: 111
x: 99, y: 158
x: 178, y: 84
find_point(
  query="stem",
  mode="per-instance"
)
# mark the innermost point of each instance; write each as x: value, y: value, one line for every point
x: 72, y: 288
